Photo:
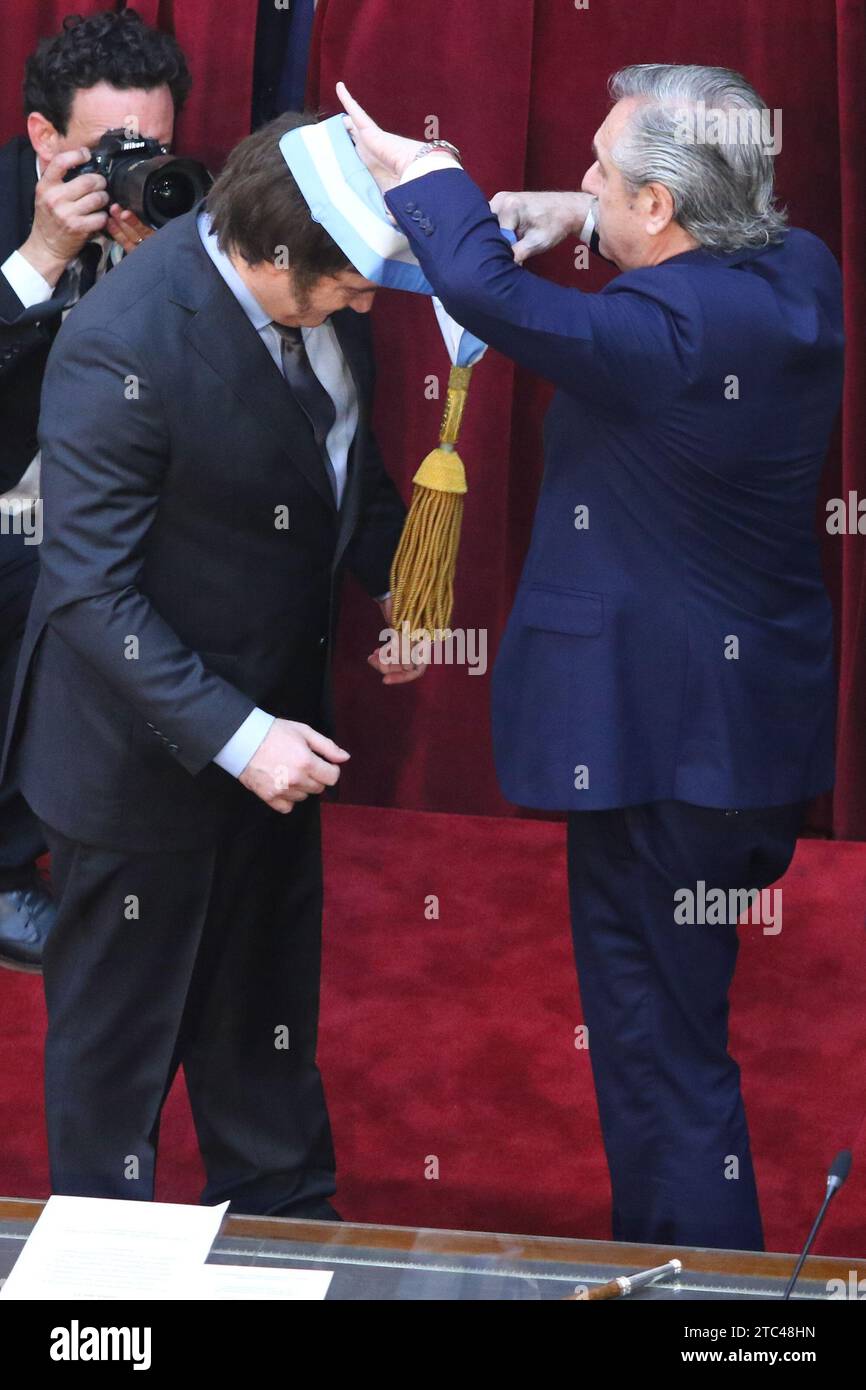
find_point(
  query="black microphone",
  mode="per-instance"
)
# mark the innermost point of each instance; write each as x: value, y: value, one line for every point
x: 839, y: 1170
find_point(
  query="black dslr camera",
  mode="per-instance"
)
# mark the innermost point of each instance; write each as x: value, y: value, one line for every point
x: 143, y: 176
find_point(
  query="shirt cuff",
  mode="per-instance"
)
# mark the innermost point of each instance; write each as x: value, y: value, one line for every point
x: 588, y: 227
x: 30, y: 287
x: 439, y: 159
x: 235, y: 754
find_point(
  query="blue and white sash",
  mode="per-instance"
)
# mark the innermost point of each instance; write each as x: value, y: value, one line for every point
x: 343, y: 196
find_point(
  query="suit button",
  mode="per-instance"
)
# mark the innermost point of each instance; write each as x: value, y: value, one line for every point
x: 172, y: 748
x: 321, y: 641
x: 410, y: 207
x: 417, y: 216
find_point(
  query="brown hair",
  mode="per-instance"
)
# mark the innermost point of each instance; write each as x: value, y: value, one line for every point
x: 257, y: 208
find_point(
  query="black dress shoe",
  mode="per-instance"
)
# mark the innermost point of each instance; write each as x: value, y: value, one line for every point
x: 26, y: 917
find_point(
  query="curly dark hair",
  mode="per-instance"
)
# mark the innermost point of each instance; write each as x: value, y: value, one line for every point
x: 116, y: 48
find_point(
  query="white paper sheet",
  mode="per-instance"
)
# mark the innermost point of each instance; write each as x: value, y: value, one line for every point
x: 258, y: 1282
x: 98, y: 1248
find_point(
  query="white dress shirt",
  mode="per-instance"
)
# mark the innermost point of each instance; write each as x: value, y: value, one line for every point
x: 323, y: 350
x: 25, y: 280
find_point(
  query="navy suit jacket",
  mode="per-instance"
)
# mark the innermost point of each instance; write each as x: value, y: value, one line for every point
x: 675, y: 643
x: 25, y: 334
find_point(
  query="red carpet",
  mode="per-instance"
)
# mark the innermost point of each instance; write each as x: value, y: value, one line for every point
x: 449, y: 1043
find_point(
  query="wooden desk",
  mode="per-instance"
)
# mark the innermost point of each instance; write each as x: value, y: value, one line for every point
x: 397, y: 1263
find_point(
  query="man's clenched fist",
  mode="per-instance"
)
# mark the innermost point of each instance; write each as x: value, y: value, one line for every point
x: 541, y: 220
x: 291, y: 763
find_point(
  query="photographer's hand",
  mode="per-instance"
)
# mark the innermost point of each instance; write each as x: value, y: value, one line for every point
x: 66, y: 215
x: 125, y: 228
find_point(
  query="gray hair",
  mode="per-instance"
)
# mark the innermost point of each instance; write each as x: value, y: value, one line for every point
x: 722, y: 187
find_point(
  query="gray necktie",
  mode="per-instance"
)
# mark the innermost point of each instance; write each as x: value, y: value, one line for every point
x: 308, y: 392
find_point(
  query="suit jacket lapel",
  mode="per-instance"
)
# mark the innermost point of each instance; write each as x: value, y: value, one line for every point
x: 351, y: 501
x: 221, y: 332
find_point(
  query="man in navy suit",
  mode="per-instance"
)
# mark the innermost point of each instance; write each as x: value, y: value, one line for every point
x: 666, y: 675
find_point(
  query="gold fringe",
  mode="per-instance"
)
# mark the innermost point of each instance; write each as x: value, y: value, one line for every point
x: 422, y: 574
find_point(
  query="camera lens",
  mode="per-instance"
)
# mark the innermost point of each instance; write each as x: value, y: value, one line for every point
x: 171, y: 194
x: 160, y: 189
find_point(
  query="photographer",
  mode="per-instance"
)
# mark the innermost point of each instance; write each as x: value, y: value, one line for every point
x: 105, y: 72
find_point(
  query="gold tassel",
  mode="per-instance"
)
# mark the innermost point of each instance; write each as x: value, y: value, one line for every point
x: 422, y: 574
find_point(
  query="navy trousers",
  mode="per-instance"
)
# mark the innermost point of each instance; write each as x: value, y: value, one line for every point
x: 655, y: 1001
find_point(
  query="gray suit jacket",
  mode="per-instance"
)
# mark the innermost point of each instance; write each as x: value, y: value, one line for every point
x: 170, y: 601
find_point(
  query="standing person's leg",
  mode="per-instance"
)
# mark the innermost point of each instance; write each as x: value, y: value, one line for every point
x: 249, y: 1041
x: 117, y: 968
x: 26, y: 908
x: 655, y: 997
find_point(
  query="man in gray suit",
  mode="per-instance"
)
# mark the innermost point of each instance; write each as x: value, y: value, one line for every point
x: 209, y: 475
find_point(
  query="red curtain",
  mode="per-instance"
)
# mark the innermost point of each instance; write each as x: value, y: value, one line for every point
x: 520, y: 86
x: 24, y: 23
x: 219, y: 43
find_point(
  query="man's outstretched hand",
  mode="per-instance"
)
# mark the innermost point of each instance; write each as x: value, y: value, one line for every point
x: 292, y: 763
x: 541, y: 220
x: 386, y: 156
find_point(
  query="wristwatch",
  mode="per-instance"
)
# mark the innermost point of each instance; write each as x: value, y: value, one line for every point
x: 432, y: 146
